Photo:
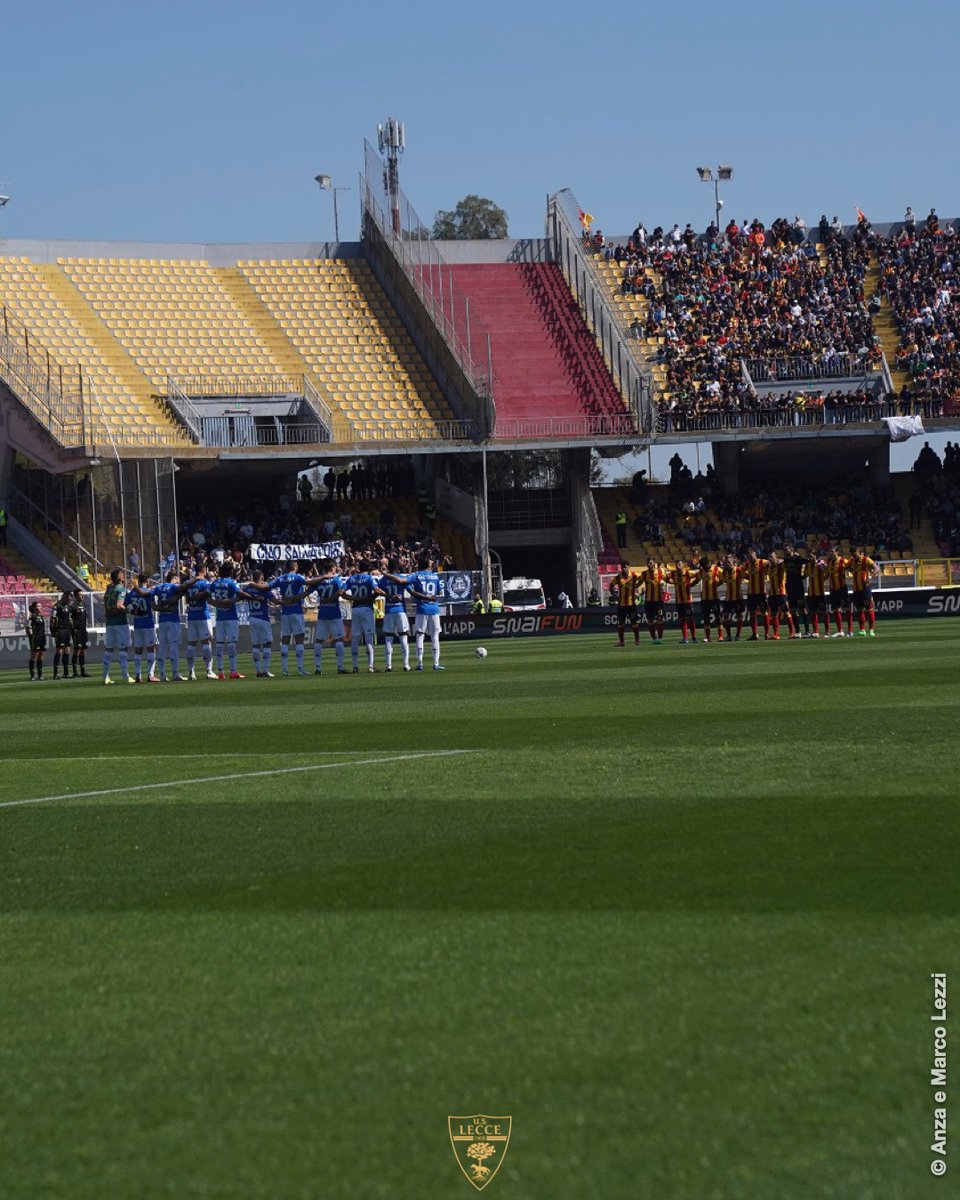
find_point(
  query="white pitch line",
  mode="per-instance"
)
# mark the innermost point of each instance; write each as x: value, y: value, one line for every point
x: 146, y: 787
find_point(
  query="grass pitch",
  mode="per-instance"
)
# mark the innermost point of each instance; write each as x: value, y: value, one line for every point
x: 675, y: 910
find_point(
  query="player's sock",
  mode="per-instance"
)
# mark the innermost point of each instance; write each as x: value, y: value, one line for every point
x: 107, y: 659
x: 739, y: 626
x: 355, y: 654
x: 729, y: 628
x: 839, y: 616
x: 73, y: 662
x: 776, y: 626
x: 766, y: 624
x: 660, y: 628
x: 266, y: 659
x: 370, y: 656
x: 753, y: 625
x: 298, y: 649
x: 693, y: 628
x: 56, y: 662
x: 33, y: 667
x: 122, y: 662
x: 83, y: 662
x: 405, y: 647
x: 419, y: 641
x: 816, y: 626
x: 317, y: 653
x: 620, y: 633
x: 255, y: 655
x: 191, y: 659
x: 338, y: 646
x: 175, y: 663
x: 388, y: 650
x: 138, y: 664
x: 636, y: 635
x: 435, y: 642
x: 284, y: 657
x: 220, y: 658
x: 39, y: 668
x: 207, y: 651
x: 871, y: 618
x: 232, y: 656
x: 861, y: 620
x: 790, y: 624
x: 652, y: 630
x: 850, y: 622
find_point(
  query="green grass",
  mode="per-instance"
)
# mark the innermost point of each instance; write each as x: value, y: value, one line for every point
x: 676, y: 912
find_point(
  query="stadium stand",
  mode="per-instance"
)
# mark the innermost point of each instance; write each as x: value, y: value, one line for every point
x: 707, y: 308
x: 174, y: 317
x: 66, y: 327
x: 545, y: 361
x: 337, y: 318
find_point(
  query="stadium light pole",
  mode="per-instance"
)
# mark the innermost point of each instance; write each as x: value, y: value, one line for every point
x: 724, y: 173
x: 327, y: 185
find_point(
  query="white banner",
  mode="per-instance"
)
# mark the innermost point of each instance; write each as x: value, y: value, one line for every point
x: 902, y: 428
x: 279, y: 552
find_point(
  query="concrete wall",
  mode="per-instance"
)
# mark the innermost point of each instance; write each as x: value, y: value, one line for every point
x: 218, y: 254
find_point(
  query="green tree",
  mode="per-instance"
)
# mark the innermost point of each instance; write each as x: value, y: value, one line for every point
x: 474, y: 218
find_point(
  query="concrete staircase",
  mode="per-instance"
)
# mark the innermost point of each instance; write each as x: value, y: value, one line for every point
x: 885, y: 326
x: 268, y: 330
x: 138, y: 387
x: 546, y: 362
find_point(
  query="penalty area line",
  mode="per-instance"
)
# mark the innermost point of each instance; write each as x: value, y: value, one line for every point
x: 146, y: 787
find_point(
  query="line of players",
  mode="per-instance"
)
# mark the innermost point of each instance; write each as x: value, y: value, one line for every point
x: 795, y: 587
x: 213, y: 623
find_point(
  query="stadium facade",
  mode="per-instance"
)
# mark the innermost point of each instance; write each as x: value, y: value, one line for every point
x: 135, y: 375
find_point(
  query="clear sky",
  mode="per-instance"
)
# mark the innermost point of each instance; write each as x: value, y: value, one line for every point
x: 206, y: 121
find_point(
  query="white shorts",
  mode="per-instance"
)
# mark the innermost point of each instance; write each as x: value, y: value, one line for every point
x: 144, y: 639
x: 396, y: 622
x: 364, y: 625
x: 291, y: 624
x: 227, y: 631
x: 169, y: 634
x: 427, y: 623
x: 116, y: 637
x: 261, y: 632
x: 330, y: 627
x: 200, y: 630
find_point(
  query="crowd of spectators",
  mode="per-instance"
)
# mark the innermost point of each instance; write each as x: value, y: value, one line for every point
x: 768, y: 298
x: 937, y: 494
x: 920, y: 275
x: 769, y: 515
x: 209, y: 534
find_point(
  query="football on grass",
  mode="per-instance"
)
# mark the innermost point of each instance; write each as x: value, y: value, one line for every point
x: 481, y: 652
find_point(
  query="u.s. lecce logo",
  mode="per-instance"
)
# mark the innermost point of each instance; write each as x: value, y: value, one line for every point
x: 480, y: 1145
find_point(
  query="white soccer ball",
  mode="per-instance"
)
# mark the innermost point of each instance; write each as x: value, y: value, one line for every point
x: 481, y: 652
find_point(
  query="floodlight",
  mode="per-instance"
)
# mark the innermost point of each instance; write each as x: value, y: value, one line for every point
x: 725, y: 172
x: 706, y: 175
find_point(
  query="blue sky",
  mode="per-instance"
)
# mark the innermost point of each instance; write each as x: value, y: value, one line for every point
x: 207, y: 121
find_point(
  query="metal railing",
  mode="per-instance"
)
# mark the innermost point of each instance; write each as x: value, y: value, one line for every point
x: 786, y: 368
x: 183, y: 409
x: 430, y: 275
x: 621, y: 426
x: 28, y: 507
x: 632, y: 376
x: 789, y: 416
x: 41, y: 383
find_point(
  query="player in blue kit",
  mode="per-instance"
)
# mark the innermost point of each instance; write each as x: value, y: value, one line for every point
x: 224, y: 594
x: 426, y: 587
x: 362, y: 589
x: 395, y: 622
x: 328, y: 588
x: 200, y: 625
x: 166, y: 599
x: 261, y: 628
x: 139, y: 605
x: 292, y: 588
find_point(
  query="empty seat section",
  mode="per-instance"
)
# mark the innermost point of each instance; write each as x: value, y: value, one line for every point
x: 336, y: 315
